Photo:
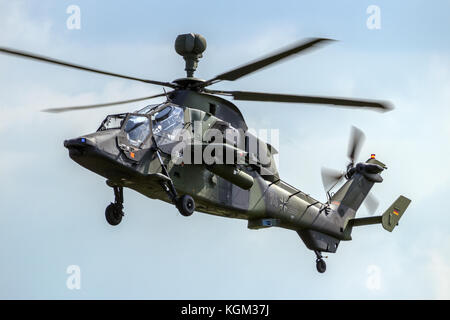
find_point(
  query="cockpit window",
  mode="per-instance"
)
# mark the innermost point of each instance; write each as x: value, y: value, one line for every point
x: 114, y: 121
x: 167, y: 124
x: 137, y: 129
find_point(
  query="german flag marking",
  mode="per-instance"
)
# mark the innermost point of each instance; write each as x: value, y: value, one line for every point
x: 395, y: 212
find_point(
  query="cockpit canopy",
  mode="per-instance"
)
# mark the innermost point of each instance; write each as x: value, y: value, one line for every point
x: 165, y: 121
x: 137, y: 129
x: 167, y: 124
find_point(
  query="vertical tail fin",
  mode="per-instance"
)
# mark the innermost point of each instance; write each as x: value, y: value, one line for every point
x: 392, y: 215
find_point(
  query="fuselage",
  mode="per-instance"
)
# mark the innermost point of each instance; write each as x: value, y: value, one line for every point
x: 127, y: 158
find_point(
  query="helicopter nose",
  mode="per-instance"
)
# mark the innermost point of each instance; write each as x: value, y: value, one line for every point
x: 77, y: 146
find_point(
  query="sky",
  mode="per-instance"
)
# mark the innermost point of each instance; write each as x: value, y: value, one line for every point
x: 52, y: 210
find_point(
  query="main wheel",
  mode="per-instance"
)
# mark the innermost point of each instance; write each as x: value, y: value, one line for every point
x: 321, y: 265
x: 113, y: 214
x: 186, y: 205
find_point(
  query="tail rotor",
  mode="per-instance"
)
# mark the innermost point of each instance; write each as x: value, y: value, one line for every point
x: 332, y: 177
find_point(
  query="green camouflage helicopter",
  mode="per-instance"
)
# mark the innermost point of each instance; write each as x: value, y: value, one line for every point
x: 195, y: 151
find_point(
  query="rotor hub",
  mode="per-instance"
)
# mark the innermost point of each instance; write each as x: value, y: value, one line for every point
x: 190, y: 82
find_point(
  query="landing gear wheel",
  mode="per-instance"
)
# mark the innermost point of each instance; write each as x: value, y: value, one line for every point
x: 321, y: 265
x: 113, y: 214
x: 114, y: 211
x: 186, y: 205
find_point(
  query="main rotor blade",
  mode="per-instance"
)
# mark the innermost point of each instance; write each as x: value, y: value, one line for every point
x: 330, y: 178
x: 354, y: 147
x: 264, y: 62
x: 28, y: 55
x: 100, y: 105
x: 276, y: 97
x: 371, y: 203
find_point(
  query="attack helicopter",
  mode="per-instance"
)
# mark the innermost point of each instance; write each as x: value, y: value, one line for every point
x: 151, y: 151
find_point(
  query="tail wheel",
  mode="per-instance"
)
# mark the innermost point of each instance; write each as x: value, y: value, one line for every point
x: 186, y: 205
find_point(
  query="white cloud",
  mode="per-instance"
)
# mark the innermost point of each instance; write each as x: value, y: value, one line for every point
x: 19, y: 27
x: 439, y: 270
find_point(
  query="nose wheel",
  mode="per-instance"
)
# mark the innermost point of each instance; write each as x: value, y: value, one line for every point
x: 114, y: 211
x: 321, y: 266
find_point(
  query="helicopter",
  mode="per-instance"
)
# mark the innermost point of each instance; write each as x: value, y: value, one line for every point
x: 174, y: 151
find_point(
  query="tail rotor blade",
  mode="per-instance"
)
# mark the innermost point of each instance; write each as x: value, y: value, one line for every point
x: 371, y: 203
x: 330, y: 178
x: 356, y: 141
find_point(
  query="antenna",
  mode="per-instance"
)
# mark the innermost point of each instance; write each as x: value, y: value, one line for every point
x: 190, y: 46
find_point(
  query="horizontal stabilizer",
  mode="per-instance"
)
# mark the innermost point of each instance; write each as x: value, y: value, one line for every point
x: 365, y: 221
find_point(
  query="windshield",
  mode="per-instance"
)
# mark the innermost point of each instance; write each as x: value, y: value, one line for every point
x: 137, y: 129
x: 167, y: 124
x: 114, y: 121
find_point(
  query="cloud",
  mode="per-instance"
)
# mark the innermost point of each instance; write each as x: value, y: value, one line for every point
x: 439, y: 270
x: 20, y: 27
